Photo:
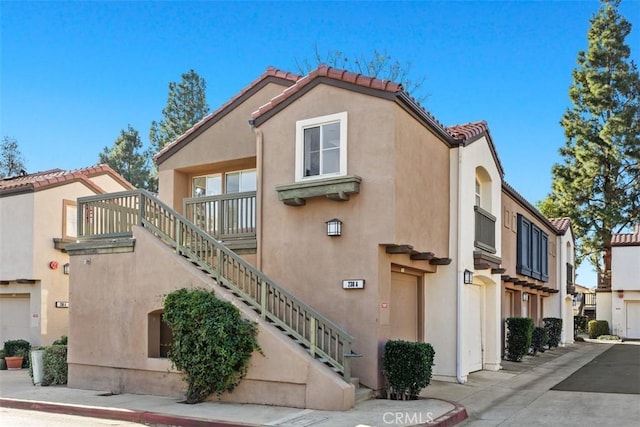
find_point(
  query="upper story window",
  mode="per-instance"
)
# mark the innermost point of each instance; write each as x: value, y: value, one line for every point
x: 240, y: 181
x: 321, y: 147
x: 210, y: 185
x: 532, y: 250
x: 478, y: 194
x: 234, y: 182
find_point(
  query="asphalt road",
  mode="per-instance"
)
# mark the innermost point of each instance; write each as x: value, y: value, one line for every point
x: 617, y: 370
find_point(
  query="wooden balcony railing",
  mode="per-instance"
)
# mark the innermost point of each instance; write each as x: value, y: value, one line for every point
x: 485, y: 230
x: 227, y: 216
x: 113, y: 215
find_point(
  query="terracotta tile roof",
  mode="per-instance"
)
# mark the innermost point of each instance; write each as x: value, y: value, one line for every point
x: 40, y: 180
x: 223, y: 109
x: 561, y: 224
x: 468, y: 130
x: 331, y: 73
x: 627, y: 239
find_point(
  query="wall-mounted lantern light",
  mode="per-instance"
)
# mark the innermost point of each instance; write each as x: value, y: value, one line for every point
x: 334, y: 227
x: 525, y: 296
x: 65, y: 268
x: 468, y: 277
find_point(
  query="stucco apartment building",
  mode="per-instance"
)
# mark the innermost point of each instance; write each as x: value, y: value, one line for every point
x: 618, y: 299
x: 38, y: 217
x: 360, y: 211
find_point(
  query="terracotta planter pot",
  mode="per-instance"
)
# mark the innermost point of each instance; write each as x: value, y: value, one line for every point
x: 14, y: 362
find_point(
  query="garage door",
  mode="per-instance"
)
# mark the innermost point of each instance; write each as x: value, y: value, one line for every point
x: 404, y: 307
x: 14, y: 317
x: 633, y: 319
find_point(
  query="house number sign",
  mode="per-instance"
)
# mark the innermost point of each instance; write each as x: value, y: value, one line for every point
x: 353, y: 284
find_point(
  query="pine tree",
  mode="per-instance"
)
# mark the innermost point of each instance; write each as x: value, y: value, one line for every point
x: 186, y: 106
x: 11, y: 159
x: 126, y: 158
x: 598, y: 183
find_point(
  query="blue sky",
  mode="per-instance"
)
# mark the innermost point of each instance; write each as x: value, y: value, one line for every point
x: 73, y: 74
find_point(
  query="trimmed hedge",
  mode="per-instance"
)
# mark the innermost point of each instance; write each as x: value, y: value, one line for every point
x: 519, y: 335
x: 407, y: 368
x: 55, y: 364
x: 539, y: 339
x: 597, y: 328
x: 553, y: 326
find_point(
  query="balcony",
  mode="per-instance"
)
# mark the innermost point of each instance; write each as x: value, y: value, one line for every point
x: 485, y: 241
x: 227, y: 217
x: 571, y: 287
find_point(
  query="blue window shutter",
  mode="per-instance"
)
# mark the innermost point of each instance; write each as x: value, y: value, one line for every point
x: 536, y: 259
x: 544, y: 256
x: 523, y: 263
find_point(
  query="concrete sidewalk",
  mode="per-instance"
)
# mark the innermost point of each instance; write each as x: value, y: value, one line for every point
x: 17, y: 391
x: 495, y: 395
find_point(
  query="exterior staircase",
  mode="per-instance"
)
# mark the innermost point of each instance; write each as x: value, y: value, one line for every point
x: 113, y: 215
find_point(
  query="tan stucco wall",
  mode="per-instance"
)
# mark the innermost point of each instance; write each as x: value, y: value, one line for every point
x: 383, y: 143
x: 229, y: 139
x: 30, y: 222
x: 112, y: 295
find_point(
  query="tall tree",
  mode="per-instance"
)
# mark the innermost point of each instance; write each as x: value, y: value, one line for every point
x: 186, y: 105
x: 127, y: 158
x: 598, y: 183
x: 377, y: 64
x: 11, y: 159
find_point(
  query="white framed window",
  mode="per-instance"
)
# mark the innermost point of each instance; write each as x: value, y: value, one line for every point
x: 321, y: 147
x: 478, y: 194
x: 208, y: 185
x: 240, y: 181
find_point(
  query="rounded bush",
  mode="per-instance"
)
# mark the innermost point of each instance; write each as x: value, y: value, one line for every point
x: 597, y: 328
x: 407, y: 368
x: 519, y: 335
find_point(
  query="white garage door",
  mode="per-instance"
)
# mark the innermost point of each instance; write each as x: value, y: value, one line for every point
x: 14, y: 317
x: 474, y: 337
x: 633, y: 319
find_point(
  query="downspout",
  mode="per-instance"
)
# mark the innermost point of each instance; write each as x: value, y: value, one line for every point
x: 258, y: 133
x: 459, y: 287
x: 562, y: 284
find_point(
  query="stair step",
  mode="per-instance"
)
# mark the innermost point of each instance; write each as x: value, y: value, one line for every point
x: 363, y: 393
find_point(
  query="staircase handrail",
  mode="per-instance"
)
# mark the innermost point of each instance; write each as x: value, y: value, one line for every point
x: 118, y: 212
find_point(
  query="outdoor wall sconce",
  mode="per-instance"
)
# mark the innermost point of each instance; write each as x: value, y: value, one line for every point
x: 468, y: 277
x: 525, y: 296
x: 65, y: 268
x: 334, y: 227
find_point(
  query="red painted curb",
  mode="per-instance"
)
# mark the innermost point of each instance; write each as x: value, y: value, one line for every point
x: 141, y: 417
x: 451, y: 418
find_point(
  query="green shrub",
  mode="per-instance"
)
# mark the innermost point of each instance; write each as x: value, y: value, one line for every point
x: 212, y: 343
x: 553, y: 326
x: 579, y: 324
x: 61, y: 341
x: 407, y: 368
x: 18, y: 348
x: 55, y: 365
x: 539, y: 339
x: 597, y: 328
x: 609, y: 337
x: 519, y: 334
x: 3, y: 363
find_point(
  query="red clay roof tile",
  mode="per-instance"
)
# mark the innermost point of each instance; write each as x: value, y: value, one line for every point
x: 44, y: 179
x: 331, y: 73
x: 468, y: 130
x: 561, y: 224
x: 627, y: 239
